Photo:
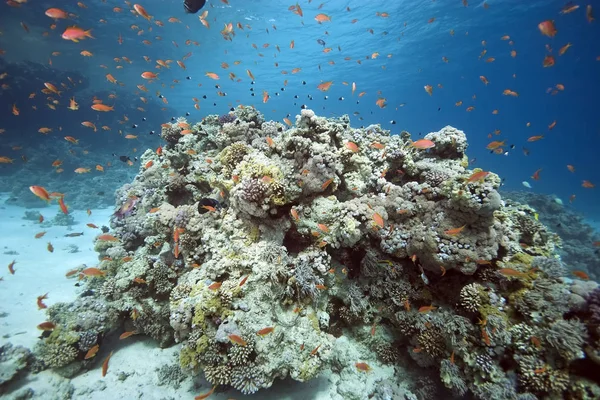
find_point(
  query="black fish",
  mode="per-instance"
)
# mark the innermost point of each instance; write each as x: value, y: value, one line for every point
x: 207, y: 201
x: 124, y: 158
x: 321, y: 42
x: 75, y: 234
x: 193, y: 6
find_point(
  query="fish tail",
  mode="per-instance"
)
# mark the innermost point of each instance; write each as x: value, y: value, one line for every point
x: 88, y: 33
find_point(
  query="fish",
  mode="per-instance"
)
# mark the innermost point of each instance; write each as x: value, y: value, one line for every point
x: 315, y: 350
x: 428, y: 89
x: 40, y: 301
x: 46, y: 326
x: 49, y: 247
x: 362, y: 366
x: 426, y: 309
x: 105, y: 364
x: 75, y: 34
x: 547, y: 28
x: 74, y: 234
x: 581, y: 275
x: 215, y: 285
x: 587, y: 185
x: 326, y: 184
x: 478, y: 176
x: 40, y: 192
x: 423, y: 144
x: 265, y: 331
x: 205, y: 395
x: 322, y: 18
x: 208, y: 202
x: 353, y: 147
x: 512, y: 272
x: 11, y: 266
x: 63, y: 207
x: 92, y: 272
x: 324, y: 86
x: 236, y: 339
x: 125, y: 335
x: 378, y: 219
x: 92, y: 352
x: 455, y: 231
x: 243, y: 281
x: 40, y: 234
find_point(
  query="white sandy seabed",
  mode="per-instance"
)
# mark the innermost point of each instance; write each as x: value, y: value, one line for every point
x: 132, y: 371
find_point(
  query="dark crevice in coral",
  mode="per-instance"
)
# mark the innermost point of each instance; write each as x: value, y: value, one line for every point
x: 294, y: 242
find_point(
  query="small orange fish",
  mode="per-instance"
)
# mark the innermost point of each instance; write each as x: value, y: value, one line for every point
x: 547, y: 28
x: 323, y: 227
x: 125, y: 335
x: 93, y: 272
x: 581, y: 275
x: 478, y: 176
x: 40, y: 301
x: 105, y: 364
x: 423, y: 144
x: 352, y: 147
x: 512, y: 272
x: 326, y: 184
x: 207, y: 394
x: 426, y: 309
x: 92, y: 352
x: 315, y: 350
x: 40, y: 234
x: 215, y: 285
x: 362, y: 366
x: 378, y: 219
x: 107, y: 238
x: 455, y: 231
x: 50, y: 248
x: 265, y: 331
x: 324, y: 86
x: 236, y: 339
x: 46, y: 326
x: 587, y: 184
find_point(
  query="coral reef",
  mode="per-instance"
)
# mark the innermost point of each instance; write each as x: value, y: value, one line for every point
x: 271, y: 252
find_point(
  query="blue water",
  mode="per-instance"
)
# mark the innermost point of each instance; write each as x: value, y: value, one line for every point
x: 410, y: 57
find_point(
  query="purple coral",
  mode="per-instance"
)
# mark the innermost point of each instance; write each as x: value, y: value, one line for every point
x: 594, y: 306
x: 226, y: 118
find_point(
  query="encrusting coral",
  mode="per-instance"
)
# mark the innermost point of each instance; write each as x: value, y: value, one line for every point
x: 272, y: 251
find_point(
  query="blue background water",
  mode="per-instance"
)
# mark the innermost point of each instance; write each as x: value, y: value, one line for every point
x: 416, y: 48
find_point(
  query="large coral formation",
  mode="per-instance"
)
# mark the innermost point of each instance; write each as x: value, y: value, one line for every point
x: 351, y: 244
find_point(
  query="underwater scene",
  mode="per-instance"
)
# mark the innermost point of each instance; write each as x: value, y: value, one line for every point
x: 328, y: 199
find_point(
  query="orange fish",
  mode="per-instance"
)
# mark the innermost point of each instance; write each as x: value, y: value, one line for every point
x: 423, y: 144
x: 46, y: 326
x: 428, y: 89
x: 323, y: 227
x: 56, y: 13
x: 324, y: 86
x: 76, y: 34
x: 212, y: 75
x: 478, y: 176
x: 361, y: 366
x: 548, y: 61
x: 426, y: 309
x: 63, y: 207
x: 378, y: 219
x: 495, y: 144
x: 11, y: 267
x: 107, y: 238
x: 105, y: 364
x: 40, y: 192
x: 326, y: 184
x: 215, y: 285
x: 352, y: 146
x: 236, y: 339
x: 265, y: 331
x: 322, y: 18
x: 455, y: 231
x: 125, y: 335
x: 547, y: 28
x: 536, y: 174
x: 512, y: 272
x: 40, y: 301
x: 93, y: 272
x: 587, y: 184
x: 142, y: 11
x: 92, y: 352
x: 205, y: 395
x: 535, y: 138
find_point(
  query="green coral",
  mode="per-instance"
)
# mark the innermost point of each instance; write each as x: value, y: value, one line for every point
x: 314, y: 321
x: 232, y: 155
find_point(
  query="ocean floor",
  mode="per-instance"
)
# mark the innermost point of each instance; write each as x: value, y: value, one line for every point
x: 134, y: 365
